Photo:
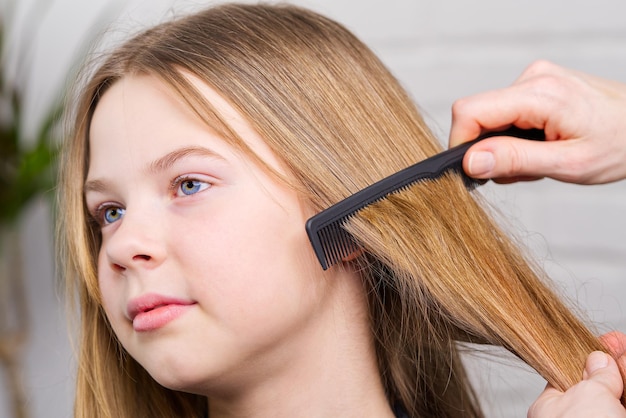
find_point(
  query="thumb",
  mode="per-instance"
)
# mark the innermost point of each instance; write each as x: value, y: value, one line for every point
x: 602, y: 369
x: 511, y: 158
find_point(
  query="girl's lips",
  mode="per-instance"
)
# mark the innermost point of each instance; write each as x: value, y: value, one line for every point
x: 152, y: 311
x: 158, y: 317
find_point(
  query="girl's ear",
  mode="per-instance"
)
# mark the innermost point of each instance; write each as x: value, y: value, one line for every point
x: 353, y: 255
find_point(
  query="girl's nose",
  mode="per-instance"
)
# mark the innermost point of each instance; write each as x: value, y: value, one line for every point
x: 137, y: 242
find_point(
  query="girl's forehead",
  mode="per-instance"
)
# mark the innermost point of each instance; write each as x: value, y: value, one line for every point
x: 237, y: 122
x: 143, y: 108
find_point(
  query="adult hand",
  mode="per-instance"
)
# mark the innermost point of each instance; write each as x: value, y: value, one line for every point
x: 597, y: 395
x: 584, y: 119
x: 615, y: 343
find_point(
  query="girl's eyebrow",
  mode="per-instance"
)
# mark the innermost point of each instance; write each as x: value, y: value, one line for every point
x: 172, y: 157
x: 94, y: 186
x: 159, y: 165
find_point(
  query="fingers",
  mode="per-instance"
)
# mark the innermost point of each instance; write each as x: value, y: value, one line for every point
x: 581, y: 115
x: 615, y: 342
x: 513, y: 159
x: 495, y: 110
x: 602, y: 369
x: 541, y: 67
x: 598, y: 394
x: 535, y: 98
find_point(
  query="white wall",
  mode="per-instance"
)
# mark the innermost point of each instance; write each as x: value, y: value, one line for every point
x: 440, y: 50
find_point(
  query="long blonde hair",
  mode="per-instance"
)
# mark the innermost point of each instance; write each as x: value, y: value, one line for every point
x: 435, y: 266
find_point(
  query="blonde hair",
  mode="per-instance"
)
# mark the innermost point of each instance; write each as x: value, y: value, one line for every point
x: 437, y: 269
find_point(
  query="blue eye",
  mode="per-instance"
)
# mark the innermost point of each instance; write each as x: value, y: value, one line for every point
x: 189, y: 187
x: 112, y: 214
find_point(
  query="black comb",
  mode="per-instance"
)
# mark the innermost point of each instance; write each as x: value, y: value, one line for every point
x: 331, y: 242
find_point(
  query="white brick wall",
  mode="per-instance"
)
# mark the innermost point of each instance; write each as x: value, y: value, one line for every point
x: 444, y: 50
x: 440, y: 50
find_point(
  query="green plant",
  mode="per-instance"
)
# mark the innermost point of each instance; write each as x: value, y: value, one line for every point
x: 27, y: 168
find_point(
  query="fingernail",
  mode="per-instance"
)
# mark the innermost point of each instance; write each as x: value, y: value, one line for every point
x: 481, y: 162
x: 596, y: 361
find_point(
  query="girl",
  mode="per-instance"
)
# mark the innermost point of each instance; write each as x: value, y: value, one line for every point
x: 199, y: 149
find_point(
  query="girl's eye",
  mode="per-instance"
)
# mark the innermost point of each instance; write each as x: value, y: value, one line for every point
x: 112, y: 214
x: 188, y: 187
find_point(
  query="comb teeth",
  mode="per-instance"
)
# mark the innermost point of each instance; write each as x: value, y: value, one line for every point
x: 332, y: 243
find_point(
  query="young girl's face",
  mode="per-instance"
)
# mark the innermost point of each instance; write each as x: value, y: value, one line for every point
x: 205, y: 271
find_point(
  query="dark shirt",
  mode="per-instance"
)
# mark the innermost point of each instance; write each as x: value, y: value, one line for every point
x: 399, y: 411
